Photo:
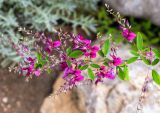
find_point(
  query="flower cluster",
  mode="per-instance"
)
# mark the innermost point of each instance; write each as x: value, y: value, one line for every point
x: 29, y: 69
x: 130, y: 36
x: 75, y: 55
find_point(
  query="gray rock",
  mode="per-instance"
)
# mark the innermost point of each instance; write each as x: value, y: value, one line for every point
x: 138, y: 8
x: 112, y: 96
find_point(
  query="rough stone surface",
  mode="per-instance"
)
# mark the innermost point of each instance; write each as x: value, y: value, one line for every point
x: 70, y: 102
x: 112, y: 96
x: 139, y: 8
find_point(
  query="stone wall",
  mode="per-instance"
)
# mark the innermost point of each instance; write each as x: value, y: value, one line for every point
x: 138, y: 8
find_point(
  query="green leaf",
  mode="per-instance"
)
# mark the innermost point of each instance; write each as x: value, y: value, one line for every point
x: 146, y: 61
x: 131, y: 60
x: 41, y: 62
x: 106, y: 47
x: 39, y: 57
x: 139, y: 41
x: 134, y: 53
x: 68, y: 63
x: 38, y: 65
x: 76, y: 54
x: 123, y: 74
x: 101, y: 53
x: 156, y: 61
x: 91, y: 74
x: 156, y: 52
x: 95, y: 65
x: 126, y: 73
x: 120, y: 73
x: 68, y: 50
x: 105, y: 63
x: 156, y: 77
x: 83, y: 67
x: 49, y: 71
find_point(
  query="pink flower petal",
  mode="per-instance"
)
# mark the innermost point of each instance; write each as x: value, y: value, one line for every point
x: 37, y: 73
x: 56, y: 43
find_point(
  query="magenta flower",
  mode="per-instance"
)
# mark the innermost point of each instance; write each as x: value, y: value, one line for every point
x: 116, y: 60
x: 31, y: 60
x: 98, y: 80
x: 150, y: 55
x: 37, y: 72
x: 76, y: 72
x: 100, y: 74
x: 83, y: 40
x: 78, y: 78
x: 80, y: 42
x: 48, y: 50
x: 29, y: 70
x: 63, y: 65
x: 56, y: 44
x: 90, y: 54
x: 110, y: 74
x: 95, y: 48
x: 130, y: 36
x: 67, y: 71
x: 102, y: 68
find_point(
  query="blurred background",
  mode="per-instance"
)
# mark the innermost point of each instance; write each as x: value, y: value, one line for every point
x: 87, y: 17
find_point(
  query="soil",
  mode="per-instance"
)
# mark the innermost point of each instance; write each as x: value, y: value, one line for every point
x: 19, y: 96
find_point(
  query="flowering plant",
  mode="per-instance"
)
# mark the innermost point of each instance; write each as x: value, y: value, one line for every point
x: 51, y: 50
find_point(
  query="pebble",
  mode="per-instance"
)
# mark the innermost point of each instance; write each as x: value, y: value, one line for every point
x: 5, y: 100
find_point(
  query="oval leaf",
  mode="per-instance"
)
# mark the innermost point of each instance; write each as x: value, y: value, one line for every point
x: 156, y: 61
x: 91, y: 74
x: 123, y: 74
x: 134, y: 53
x: 156, y: 52
x: 95, y: 65
x: 126, y: 73
x: 83, y: 67
x: 76, y: 54
x: 69, y: 63
x: 146, y: 61
x: 101, y: 53
x: 156, y: 77
x: 106, y: 47
x: 131, y: 60
x: 120, y: 73
x: 139, y: 41
x: 69, y: 50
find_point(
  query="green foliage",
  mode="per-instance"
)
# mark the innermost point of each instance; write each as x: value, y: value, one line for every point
x: 43, y: 15
x: 76, y: 54
x: 83, y: 67
x: 156, y: 52
x: 106, y: 47
x: 123, y: 73
x: 139, y: 41
x: 95, y: 65
x: 146, y: 61
x: 91, y: 74
x: 68, y: 50
x: 41, y: 61
x: 101, y: 53
x: 149, y: 32
x: 132, y: 60
x: 106, y: 25
x: 155, y: 62
x: 156, y: 77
